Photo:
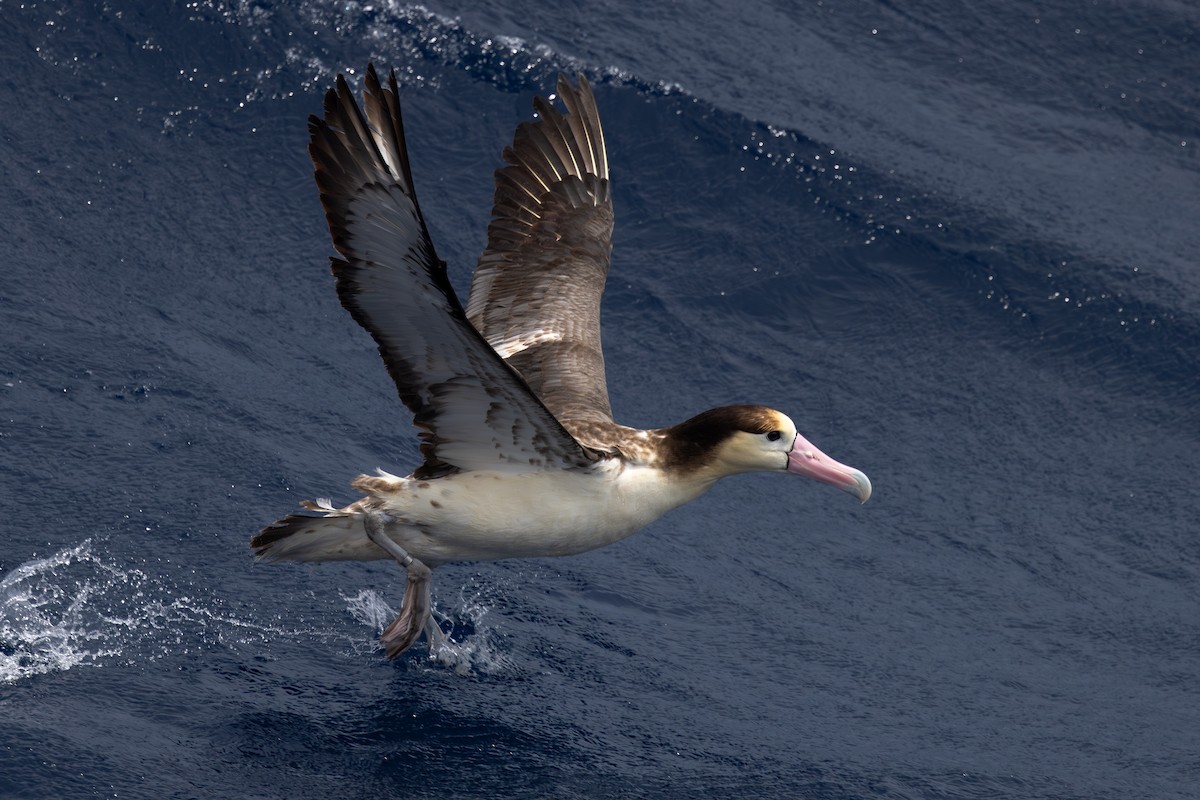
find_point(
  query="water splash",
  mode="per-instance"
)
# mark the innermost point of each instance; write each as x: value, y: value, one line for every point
x: 75, y: 607
x: 470, y: 645
x: 61, y: 611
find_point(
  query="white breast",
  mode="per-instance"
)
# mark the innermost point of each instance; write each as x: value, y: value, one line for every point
x: 489, y: 515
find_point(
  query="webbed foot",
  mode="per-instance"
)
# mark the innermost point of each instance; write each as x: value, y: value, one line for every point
x: 414, y: 612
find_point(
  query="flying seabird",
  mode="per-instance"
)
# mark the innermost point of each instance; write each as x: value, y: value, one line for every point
x: 522, y: 457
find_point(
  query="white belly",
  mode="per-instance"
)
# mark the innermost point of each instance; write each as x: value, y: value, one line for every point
x: 489, y: 515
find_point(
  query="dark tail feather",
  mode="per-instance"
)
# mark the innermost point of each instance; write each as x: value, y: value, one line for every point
x: 306, y: 537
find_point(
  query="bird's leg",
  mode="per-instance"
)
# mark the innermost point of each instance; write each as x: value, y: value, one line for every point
x: 414, y: 610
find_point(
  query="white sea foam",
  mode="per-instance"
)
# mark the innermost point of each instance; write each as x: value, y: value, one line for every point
x: 61, y: 611
x: 477, y: 652
x: 80, y: 607
x: 401, y: 34
x: 370, y: 609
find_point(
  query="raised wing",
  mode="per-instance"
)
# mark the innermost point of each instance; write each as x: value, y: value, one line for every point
x: 474, y: 412
x: 536, y: 292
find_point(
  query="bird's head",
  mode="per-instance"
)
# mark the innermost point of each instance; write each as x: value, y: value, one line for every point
x: 733, y: 439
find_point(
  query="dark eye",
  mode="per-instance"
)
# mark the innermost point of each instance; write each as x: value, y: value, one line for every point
x: 774, y: 436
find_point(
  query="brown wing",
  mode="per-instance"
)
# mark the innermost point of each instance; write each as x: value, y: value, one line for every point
x: 474, y: 411
x: 536, y: 292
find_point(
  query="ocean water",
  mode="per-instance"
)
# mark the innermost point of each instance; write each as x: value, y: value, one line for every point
x: 956, y: 244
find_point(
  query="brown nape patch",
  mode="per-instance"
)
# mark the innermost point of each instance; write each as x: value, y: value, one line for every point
x: 693, y: 444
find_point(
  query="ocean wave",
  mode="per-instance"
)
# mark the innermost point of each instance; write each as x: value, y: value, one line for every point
x: 417, y: 41
x: 1047, y: 286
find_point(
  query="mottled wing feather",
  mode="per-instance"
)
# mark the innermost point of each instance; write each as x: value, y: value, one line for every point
x: 474, y: 411
x: 536, y: 292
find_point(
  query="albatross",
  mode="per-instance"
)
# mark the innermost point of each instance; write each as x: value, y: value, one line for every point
x: 521, y: 455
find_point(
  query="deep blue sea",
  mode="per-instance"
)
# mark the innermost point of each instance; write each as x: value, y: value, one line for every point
x: 957, y: 243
